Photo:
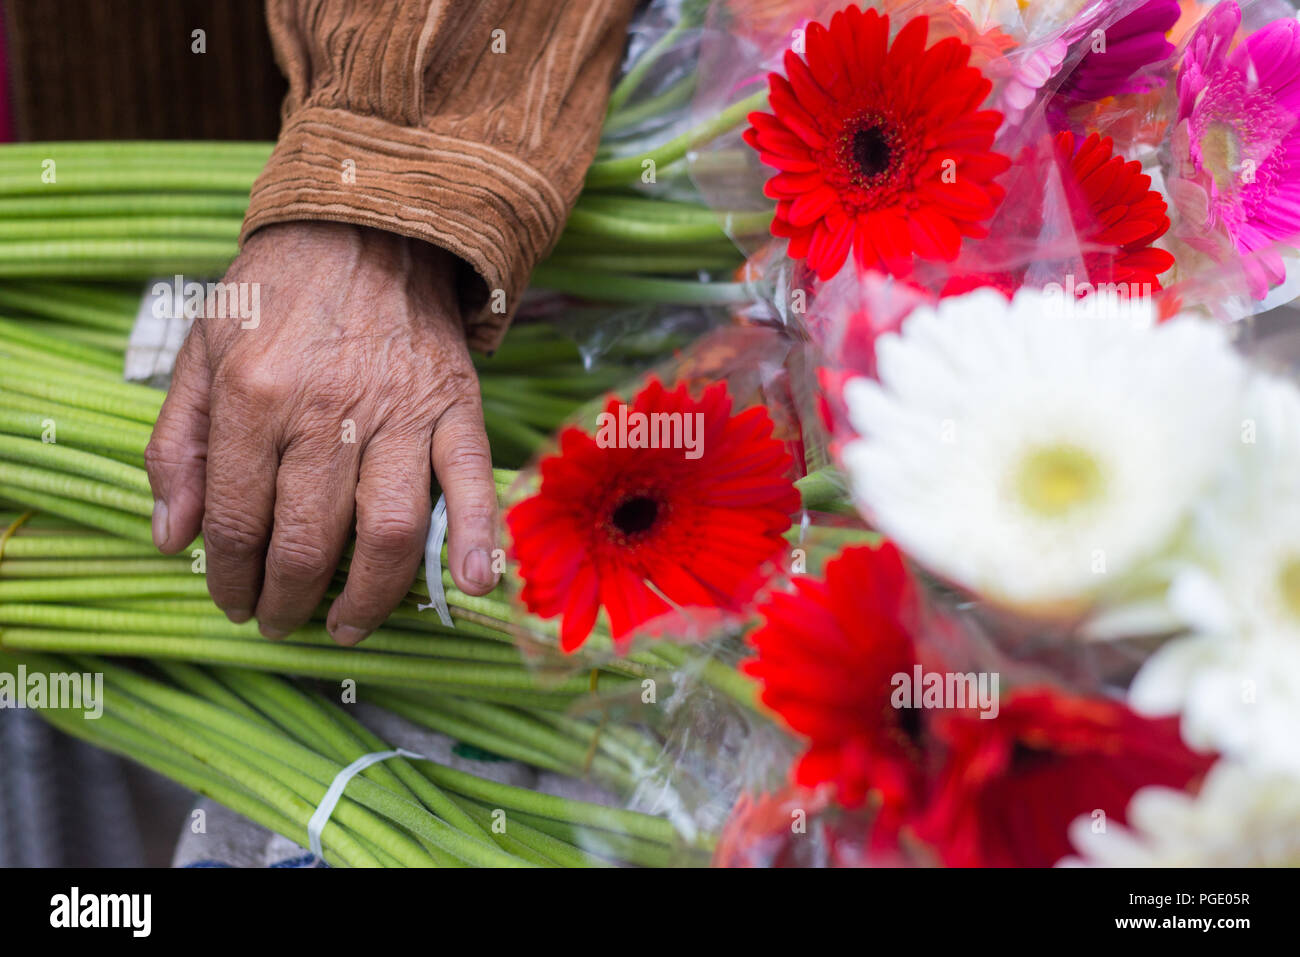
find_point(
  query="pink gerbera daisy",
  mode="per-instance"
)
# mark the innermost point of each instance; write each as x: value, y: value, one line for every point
x: 1237, y: 144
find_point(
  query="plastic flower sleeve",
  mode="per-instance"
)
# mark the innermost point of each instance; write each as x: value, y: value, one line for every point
x: 1235, y: 198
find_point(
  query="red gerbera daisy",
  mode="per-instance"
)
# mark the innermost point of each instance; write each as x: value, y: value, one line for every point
x: 827, y: 654
x: 879, y: 148
x: 1012, y: 785
x: 1115, y: 207
x: 617, y: 523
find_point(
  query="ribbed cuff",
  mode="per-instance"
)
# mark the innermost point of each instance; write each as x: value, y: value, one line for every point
x: 484, y: 205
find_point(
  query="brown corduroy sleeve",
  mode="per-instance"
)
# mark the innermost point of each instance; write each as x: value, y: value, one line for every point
x: 469, y: 125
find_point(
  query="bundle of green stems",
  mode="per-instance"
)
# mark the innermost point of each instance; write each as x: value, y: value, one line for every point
x: 269, y: 749
x: 138, y: 209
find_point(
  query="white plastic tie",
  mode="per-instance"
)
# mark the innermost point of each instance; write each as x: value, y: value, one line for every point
x: 337, y: 787
x: 433, y: 563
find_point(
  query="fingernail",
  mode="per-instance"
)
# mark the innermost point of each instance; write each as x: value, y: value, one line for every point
x: 239, y: 615
x: 159, y: 523
x: 478, y: 568
x: 347, y: 634
x: 270, y: 631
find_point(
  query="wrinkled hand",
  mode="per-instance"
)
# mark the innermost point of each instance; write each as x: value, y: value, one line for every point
x: 253, y: 440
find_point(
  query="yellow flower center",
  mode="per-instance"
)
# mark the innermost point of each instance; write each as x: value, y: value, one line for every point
x: 1055, y: 480
x: 1221, y: 154
x: 1288, y: 585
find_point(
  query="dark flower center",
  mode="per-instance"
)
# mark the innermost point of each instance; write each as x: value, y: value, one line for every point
x: 872, y: 151
x: 635, y: 515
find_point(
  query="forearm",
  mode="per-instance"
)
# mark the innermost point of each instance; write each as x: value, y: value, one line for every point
x: 469, y: 126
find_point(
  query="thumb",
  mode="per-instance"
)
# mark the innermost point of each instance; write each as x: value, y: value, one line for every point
x: 177, y: 455
x: 462, y: 463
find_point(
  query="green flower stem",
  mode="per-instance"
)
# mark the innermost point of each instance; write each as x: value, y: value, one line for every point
x: 430, y: 795
x: 524, y: 727
x: 471, y: 733
x: 80, y: 260
x: 110, y: 520
x: 493, y: 723
x: 222, y: 750
x: 117, y: 298
x: 301, y: 716
x: 200, y: 681
x: 510, y: 797
x: 615, y: 226
x: 338, y: 663
x: 626, y: 169
x: 50, y: 593
x: 714, y: 673
x: 218, y: 204
x: 554, y: 410
x: 652, y: 108
x: 111, y: 345
x: 16, y: 347
x: 130, y: 179
x: 360, y: 789
x: 65, y: 228
x: 132, y: 400
x: 645, y: 208
x: 530, y: 843
x: 110, y: 733
x: 634, y: 264
x: 73, y: 462
x: 80, y: 394
x: 641, y: 69
x: 37, y: 522
x: 157, y: 726
x: 127, y: 622
x: 13, y: 352
x: 25, y: 415
x: 51, y: 345
x: 24, y: 545
x: 610, y: 845
x: 623, y: 743
x: 159, y: 152
x: 272, y: 698
x: 170, y: 606
x: 35, y: 299
x: 638, y: 289
x: 70, y: 486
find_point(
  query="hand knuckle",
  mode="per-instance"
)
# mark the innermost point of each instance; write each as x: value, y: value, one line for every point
x: 258, y: 382
x: 228, y: 533
x: 390, y: 534
x: 464, y: 456
x: 159, y: 454
x: 295, y: 556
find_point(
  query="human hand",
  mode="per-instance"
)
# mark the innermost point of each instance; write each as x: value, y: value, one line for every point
x: 252, y: 442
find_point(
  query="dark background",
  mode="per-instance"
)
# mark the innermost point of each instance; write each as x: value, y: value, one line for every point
x: 123, y: 69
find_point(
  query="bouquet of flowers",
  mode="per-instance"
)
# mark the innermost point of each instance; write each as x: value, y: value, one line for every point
x: 1015, y: 251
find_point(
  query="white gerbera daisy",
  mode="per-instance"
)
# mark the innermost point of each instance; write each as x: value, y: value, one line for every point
x: 1238, y: 695
x: 1245, y: 541
x: 1036, y: 453
x: 1241, y: 817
